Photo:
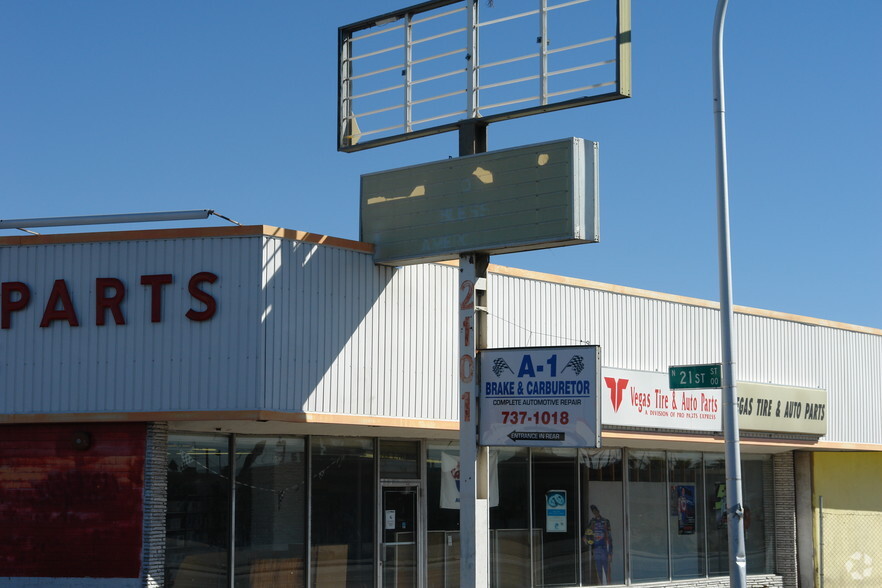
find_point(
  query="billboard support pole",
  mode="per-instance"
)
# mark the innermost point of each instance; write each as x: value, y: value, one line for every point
x: 734, y: 507
x: 472, y: 137
x: 474, y: 516
x: 473, y: 462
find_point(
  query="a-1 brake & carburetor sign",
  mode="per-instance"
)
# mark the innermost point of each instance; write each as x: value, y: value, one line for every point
x: 540, y: 397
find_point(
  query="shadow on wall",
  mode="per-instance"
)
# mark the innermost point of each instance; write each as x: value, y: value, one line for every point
x: 340, y: 340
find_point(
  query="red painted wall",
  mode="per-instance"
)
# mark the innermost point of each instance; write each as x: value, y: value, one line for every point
x: 68, y: 512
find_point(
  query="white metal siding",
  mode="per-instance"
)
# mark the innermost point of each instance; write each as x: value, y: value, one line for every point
x: 303, y: 327
x: 347, y: 337
x: 650, y: 335
x: 852, y: 372
x: 176, y: 364
x: 633, y: 332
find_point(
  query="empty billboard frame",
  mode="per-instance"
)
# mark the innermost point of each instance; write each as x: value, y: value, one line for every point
x: 519, y: 199
x: 421, y: 70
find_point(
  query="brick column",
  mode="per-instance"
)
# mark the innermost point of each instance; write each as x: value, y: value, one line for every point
x: 785, y: 519
x: 155, y: 501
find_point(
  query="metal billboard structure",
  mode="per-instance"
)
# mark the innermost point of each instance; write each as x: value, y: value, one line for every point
x: 532, y: 197
x: 417, y: 71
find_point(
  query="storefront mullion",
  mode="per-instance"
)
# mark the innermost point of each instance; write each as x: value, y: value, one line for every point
x: 534, y: 568
x: 580, y: 494
x: 668, y: 518
x: 308, y: 472
x: 626, y: 513
x: 703, y: 512
x: 231, y: 515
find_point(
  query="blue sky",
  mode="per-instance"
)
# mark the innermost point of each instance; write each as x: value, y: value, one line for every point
x: 110, y: 107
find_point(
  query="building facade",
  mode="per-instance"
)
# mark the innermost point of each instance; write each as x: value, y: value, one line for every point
x: 253, y: 406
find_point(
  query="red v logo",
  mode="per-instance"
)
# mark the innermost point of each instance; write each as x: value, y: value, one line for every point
x: 615, y: 391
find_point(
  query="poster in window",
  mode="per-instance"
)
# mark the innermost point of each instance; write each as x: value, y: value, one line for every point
x: 720, y: 508
x: 450, y: 480
x: 556, y: 511
x: 720, y: 505
x: 683, y: 507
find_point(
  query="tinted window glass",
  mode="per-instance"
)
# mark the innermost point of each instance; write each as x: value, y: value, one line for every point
x: 270, y: 511
x: 343, y: 489
x: 647, y: 501
x: 197, y: 516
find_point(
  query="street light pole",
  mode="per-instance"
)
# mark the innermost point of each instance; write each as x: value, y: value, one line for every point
x: 734, y: 508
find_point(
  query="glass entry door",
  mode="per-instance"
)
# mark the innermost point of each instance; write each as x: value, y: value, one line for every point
x: 400, y: 535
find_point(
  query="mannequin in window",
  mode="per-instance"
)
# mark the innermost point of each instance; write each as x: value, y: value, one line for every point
x: 598, y: 537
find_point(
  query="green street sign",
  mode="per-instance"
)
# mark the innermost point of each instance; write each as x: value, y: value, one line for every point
x: 695, y: 376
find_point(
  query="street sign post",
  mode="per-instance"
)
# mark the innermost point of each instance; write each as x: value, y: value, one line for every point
x: 683, y: 377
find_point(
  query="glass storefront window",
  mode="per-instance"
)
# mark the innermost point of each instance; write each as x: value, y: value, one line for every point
x: 685, y: 489
x: 556, y: 516
x: 343, y: 507
x: 197, y: 516
x: 270, y: 511
x: 648, y: 509
x: 757, y: 492
x: 603, y: 520
x: 672, y: 508
x: 510, y: 517
x: 715, y: 513
x: 442, y: 514
x: 400, y: 460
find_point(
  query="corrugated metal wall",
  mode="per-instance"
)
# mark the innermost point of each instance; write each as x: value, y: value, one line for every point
x: 634, y: 333
x: 347, y: 337
x: 299, y: 327
x: 312, y: 328
x: 650, y: 334
x: 175, y: 364
x: 853, y: 374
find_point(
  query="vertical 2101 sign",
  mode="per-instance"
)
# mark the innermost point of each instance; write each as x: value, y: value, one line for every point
x: 467, y: 347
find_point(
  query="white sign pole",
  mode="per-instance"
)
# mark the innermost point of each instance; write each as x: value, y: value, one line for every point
x: 473, y: 510
x: 474, y: 517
